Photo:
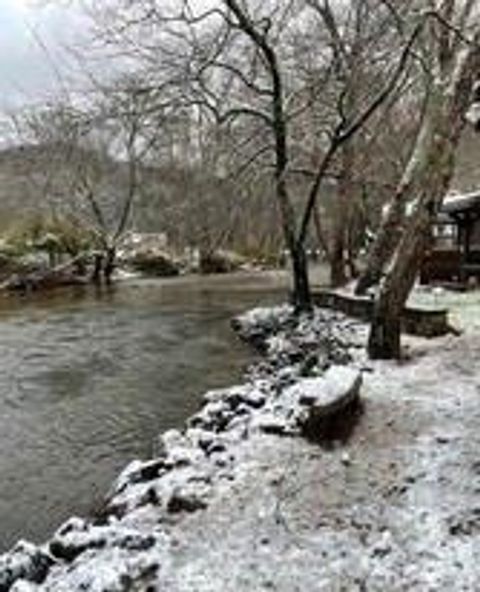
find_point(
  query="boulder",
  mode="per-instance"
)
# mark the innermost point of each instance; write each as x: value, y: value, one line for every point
x: 26, y: 562
x: 220, y: 262
x: 327, y: 401
x: 326, y: 395
x: 152, y: 262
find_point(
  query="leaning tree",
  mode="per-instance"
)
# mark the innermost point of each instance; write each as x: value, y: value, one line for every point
x: 450, y: 61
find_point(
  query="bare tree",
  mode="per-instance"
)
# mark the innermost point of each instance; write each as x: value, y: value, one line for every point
x: 95, y: 155
x: 269, y: 98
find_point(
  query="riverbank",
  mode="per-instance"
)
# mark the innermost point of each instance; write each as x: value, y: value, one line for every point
x: 241, y: 500
x: 89, y: 378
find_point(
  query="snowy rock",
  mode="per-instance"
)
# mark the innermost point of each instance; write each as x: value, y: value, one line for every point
x: 274, y: 423
x: 204, y: 439
x: 178, y: 450
x: 68, y: 546
x: 324, y: 398
x: 24, y: 562
x: 214, y: 416
x: 306, y: 405
x: 106, y: 569
x: 187, y: 500
x: 327, y: 394
x: 140, y: 472
x: 258, y: 324
x: 465, y: 524
x: 234, y: 396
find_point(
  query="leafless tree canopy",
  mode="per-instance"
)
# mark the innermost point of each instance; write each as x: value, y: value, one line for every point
x: 259, y: 125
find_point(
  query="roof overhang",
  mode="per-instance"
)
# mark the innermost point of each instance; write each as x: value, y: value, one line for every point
x: 458, y: 203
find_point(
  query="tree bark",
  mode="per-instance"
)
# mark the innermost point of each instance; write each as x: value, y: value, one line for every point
x: 391, y: 228
x: 385, y: 332
x: 450, y: 100
x: 342, y: 215
x: 301, y: 295
x: 109, y: 264
x: 301, y: 287
x: 97, y: 268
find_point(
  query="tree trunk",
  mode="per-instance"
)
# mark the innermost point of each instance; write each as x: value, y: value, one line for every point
x: 432, y: 160
x: 344, y: 201
x: 97, y: 268
x: 301, y: 295
x: 434, y: 168
x: 109, y: 265
x: 338, y: 276
x: 391, y: 228
x: 321, y: 241
x: 384, y: 245
x: 385, y: 331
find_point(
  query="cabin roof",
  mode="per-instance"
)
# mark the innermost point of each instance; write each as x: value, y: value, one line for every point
x: 461, y: 202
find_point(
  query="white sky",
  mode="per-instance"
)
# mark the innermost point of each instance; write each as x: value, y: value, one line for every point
x: 26, y: 71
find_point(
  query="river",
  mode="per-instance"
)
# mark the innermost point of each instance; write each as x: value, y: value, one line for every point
x: 88, y: 378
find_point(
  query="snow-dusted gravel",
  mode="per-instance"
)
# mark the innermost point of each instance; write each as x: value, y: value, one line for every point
x: 241, y: 501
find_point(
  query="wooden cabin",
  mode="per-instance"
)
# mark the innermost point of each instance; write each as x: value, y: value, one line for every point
x: 454, y: 254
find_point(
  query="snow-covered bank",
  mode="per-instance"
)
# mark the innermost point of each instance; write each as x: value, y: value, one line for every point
x: 240, y: 501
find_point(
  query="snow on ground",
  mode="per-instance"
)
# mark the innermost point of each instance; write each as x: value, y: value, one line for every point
x: 464, y: 307
x: 240, y: 501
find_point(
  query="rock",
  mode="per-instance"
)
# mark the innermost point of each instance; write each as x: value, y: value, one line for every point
x: 383, y: 546
x: 328, y: 394
x: 70, y: 545
x: 272, y: 423
x: 201, y: 438
x: 24, y: 562
x: 260, y: 324
x: 236, y: 395
x: 325, y: 399
x: 152, y: 262
x: 182, y: 500
x: 140, y: 472
x: 467, y: 523
x: 178, y: 450
x: 220, y: 262
x: 214, y: 416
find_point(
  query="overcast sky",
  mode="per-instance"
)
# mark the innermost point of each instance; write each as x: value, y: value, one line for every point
x: 26, y: 71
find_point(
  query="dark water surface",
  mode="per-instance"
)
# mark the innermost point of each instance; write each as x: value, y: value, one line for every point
x: 88, y: 379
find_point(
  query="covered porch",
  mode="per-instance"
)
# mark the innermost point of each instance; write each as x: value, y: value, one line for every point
x: 454, y: 254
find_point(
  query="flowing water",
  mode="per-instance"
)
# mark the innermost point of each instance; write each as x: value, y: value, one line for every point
x: 89, y: 378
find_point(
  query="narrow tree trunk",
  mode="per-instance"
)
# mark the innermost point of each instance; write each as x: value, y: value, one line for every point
x: 97, y: 268
x: 344, y: 202
x: 355, y: 230
x: 320, y: 236
x: 109, y: 265
x: 338, y: 276
x: 301, y: 295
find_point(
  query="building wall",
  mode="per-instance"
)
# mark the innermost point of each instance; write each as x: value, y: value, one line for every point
x: 475, y: 236
x: 467, y: 174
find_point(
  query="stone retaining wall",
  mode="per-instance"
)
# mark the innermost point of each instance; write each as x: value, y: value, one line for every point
x: 415, y: 321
